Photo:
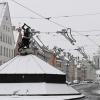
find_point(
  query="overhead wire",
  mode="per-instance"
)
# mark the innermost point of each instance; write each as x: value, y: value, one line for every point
x: 75, y: 34
x: 66, y: 16
x: 92, y: 30
x: 28, y: 9
x: 87, y: 14
x: 38, y: 14
x: 87, y: 36
x: 48, y: 18
x: 25, y: 17
x: 77, y: 15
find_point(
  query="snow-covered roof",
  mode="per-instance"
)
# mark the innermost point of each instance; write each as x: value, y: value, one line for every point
x: 29, y: 64
x: 2, y: 9
x: 36, y: 88
x: 65, y: 97
x: 53, y: 39
x: 37, y: 91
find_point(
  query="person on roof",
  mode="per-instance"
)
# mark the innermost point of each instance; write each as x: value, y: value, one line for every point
x: 26, y: 37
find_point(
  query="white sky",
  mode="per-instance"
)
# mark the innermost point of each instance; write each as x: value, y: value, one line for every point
x: 53, y: 8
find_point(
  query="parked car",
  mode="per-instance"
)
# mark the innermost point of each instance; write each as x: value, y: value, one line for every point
x: 76, y: 82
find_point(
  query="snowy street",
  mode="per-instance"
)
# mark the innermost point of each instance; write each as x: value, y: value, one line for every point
x: 91, y: 91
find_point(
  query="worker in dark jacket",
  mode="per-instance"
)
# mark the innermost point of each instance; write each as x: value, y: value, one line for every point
x: 26, y: 37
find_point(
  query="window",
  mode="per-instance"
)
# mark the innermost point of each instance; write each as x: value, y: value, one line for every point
x: 9, y: 53
x: 8, y: 29
x: 98, y: 62
x: 12, y: 53
x: 3, y: 37
x: 6, y: 18
x: 6, y: 38
x: 4, y: 51
x: 3, y: 27
x: 0, y: 50
x: 10, y: 40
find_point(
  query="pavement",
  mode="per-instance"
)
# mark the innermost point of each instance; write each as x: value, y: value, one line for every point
x: 91, y: 91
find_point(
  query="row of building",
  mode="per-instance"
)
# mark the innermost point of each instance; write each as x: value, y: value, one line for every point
x: 80, y: 70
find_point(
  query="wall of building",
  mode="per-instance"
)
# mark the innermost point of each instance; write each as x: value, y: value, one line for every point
x: 88, y: 71
x: 6, y: 37
x: 97, y: 61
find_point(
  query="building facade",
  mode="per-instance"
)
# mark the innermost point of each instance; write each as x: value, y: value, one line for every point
x: 97, y: 76
x: 85, y: 72
x: 6, y: 34
x: 96, y: 59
